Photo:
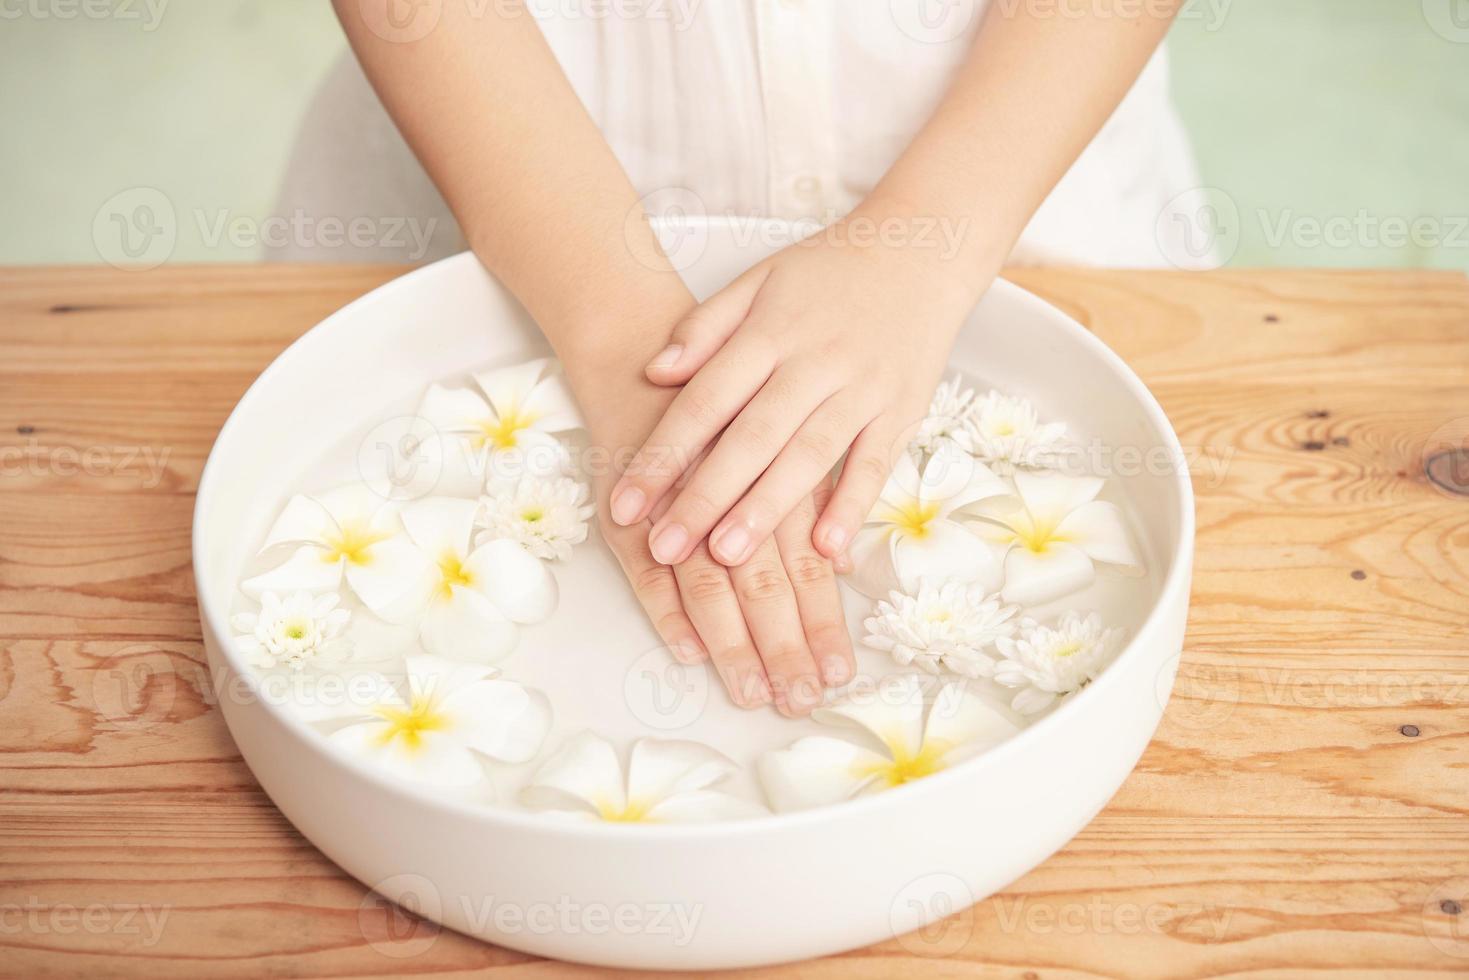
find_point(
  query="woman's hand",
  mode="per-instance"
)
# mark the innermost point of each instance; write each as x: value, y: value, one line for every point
x: 826, y: 345
x: 773, y: 628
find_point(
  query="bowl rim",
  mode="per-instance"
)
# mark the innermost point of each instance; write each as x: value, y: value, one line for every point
x: 537, y: 822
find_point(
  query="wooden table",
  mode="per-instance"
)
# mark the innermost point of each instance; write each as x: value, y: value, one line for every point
x: 1304, y: 808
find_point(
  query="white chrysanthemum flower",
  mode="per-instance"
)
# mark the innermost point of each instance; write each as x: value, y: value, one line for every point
x: 949, y: 626
x: 294, y: 631
x: 545, y: 517
x: 948, y: 421
x: 667, y: 781
x: 895, y: 745
x: 1046, y: 662
x: 1005, y: 432
x: 448, y: 718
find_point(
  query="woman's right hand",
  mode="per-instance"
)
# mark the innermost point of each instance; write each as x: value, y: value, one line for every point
x: 773, y: 627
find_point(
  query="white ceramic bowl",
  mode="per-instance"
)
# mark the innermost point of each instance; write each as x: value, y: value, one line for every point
x: 780, y: 888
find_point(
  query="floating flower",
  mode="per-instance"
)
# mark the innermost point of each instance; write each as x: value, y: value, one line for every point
x: 819, y: 770
x: 947, y: 626
x: 471, y: 598
x: 351, y: 531
x: 452, y: 716
x: 504, y: 436
x: 545, y: 517
x: 1050, y: 532
x: 1005, y: 432
x: 296, y: 630
x: 911, y: 534
x: 667, y: 781
x: 948, y: 422
x: 1045, y: 662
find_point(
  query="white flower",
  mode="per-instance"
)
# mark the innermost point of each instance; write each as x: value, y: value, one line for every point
x: 453, y: 715
x: 545, y: 517
x: 943, y: 626
x: 295, y: 630
x: 1005, y: 432
x: 667, y: 782
x: 470, y: 599
x: 348, y: 530
x: 1050, y: 533
x: 508, y: 436
x: 948, y: 421
x: 820, y: 770
x: 910, y: 534
x: 1047, y: 661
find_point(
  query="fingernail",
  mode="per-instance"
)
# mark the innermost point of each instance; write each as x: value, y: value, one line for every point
x: 833, y: 538
x: 667, y: 357
x: 835, y: 670
x: 627, y: 504
x: 668, y: 544
x: 732, y: 542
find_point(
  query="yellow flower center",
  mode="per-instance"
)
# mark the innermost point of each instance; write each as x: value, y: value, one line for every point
x: 412, y: 722
x: 532, y: 515
x: 1002, y: 429
x: 906, y: 766
x: 913, y: 516
x: 1069, y: 649
x: 352, y: 541
x: 296, y: 630
x: 451, y: 573
x: 636, y: 811
x: 504, y: 431
x: 1038, y: 537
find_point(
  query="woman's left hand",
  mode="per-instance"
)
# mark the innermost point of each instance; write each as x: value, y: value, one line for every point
x: 827, y: 346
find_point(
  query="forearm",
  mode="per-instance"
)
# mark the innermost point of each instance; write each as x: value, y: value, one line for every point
x: 542, y: 200
x: 1037, y: 86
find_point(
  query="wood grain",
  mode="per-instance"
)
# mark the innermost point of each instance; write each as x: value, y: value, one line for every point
x: 1303, y: 811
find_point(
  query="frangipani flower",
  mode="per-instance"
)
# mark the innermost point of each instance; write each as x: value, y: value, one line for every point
x: 948, y: 421
x: 471, y: 598
x: 545, y: 517
x: 296, y: 630
x: 910, y: 534
x: 667, y: 781
x: 1048, y: 661
x: 947, y: 626
x: 505, y: 437
x: 451, y: 716
x: 1005, y: 432
x: 820, y: 770
x: 1050, y: 533
x: 351, y: 531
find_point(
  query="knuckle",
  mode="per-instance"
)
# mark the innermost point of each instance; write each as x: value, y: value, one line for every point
x: 694, y: 504
x: 754, y: 435
x: 817, y: 446
x: 698, y: 405
x: 827, y: 637
x: 763, y: 582
x: 705, y: 585
x: 872, y: 469
x: 808, y: 570
x: 653, y: 583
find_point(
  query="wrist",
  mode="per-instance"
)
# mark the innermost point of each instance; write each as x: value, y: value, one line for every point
x: 958, y: 253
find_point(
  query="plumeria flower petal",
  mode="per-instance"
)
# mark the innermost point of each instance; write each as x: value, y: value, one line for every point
x: 545, y: 517
x: 667, y: 781
x: 819, y: 770
x: 1051, y: 533
x: 911, y: 536
x: 295, y: 630
x: 450, y: 719
x: 470, y: 599
x: 1005, y: 432
x: 952, y: 626
x: 1047, y: 662
x: 349, y: 530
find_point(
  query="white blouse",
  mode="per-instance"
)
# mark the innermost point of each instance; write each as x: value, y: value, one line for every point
x: 768, y: 108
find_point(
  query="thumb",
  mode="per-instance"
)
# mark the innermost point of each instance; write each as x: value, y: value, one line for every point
x: 704, y: 330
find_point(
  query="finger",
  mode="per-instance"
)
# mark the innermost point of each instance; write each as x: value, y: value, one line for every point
x: 709, y: 597
x: 805, y: 462
x: 704, y: 330
x: 774, y: 622
x: 657, y: 592
x: 696, y: 416
x: 815, y: 586
x: 865, y: 472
